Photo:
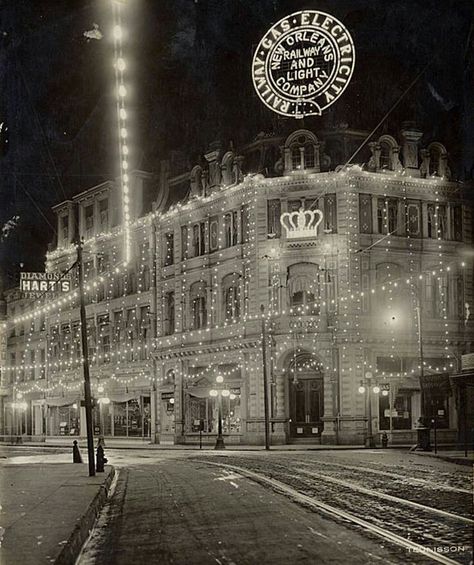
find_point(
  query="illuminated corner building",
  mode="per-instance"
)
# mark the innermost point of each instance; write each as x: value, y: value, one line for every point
x: 43, y: 364
x: 343, y: 259
x: 341, y: 299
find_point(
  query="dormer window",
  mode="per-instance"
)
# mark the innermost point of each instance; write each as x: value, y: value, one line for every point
x: 385, y: 156
x: 435, y: 156
x: 438, y: 160
x: 302, y: 152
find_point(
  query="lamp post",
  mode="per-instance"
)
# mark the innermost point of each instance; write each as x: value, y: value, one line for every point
x: 367, y: 389
x: 219, y: 393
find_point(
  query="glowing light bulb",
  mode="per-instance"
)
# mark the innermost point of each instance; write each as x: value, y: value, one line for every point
x: 122, y: 91
x: 118, y: 32
x: 120, y: 64
x: 123, y: 132
x: 123, y: 114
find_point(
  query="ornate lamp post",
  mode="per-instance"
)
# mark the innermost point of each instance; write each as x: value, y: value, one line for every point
x: 367, y: 388
x: 219, y: 393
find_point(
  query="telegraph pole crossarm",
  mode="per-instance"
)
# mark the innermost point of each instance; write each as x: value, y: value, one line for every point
x: 85, y: 362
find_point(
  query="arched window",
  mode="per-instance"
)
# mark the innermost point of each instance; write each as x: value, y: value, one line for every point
x: 301, y: 151
x: 295, y: 158
x: 385, y: 155
x: 309, y: 156
x: 435, y: 157
x: 304, y: 289
x: 198, y: 305
x: 231, y: 296
x: 438, y: 159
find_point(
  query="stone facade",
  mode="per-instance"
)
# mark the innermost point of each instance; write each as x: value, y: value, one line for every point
x: 368, y: 258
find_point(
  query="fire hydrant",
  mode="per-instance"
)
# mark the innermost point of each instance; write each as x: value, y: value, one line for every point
x: 76, y: 454
x: 101, y: 459
x: 384, y: 439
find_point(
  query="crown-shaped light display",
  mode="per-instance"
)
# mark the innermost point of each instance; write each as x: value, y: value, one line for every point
x: 301, y: 224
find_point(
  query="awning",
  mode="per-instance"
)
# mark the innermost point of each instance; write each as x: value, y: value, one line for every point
x: 61, y: 400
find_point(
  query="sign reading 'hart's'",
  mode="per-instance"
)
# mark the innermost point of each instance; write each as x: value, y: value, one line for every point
x: 33, y: 285
x: 303, y: 64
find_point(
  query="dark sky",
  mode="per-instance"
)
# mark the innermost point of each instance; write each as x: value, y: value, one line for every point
x: 189, y: 74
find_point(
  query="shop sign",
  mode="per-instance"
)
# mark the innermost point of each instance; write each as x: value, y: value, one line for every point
x: 235, y: 390
x: 34, y: 285
x: 167, y: 395
x: 303, y: 64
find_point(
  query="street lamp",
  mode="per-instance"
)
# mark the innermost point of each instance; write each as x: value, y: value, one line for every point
x: 219, y: 393
x: 367, y: 389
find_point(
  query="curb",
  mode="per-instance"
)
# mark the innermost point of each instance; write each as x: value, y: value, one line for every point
x: 81, y: 531
x: 456, y: 460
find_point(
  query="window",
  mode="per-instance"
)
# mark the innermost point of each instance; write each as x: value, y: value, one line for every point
x: 437, y: 221
x: 198, y: 295
x: 304, y: 289
x: 118, y: 327
x: 442, y: 221
x: 169, y: 249
x: 273, y: 218
x: 413, y: 220
x: 199, y: 239
x: 184, y: 242
x: 456, y: 223
x: 435, y: 158
x: 231, y: 291
x: 213, y: 234
x: 104, y: 213
x: 32, y: 363
x: 145, y: 322
x: 385, y: 157
x: 146, y: 279
x: 169, y: 314
x: 309, y: 156
x: 245, y: 223
x: 132, y: 282
x: 431, y: 221
x: 387, y: 215
x: 103, y: 328
x: 65, y: 228
x: 42, y: 373
x: 89, y: 220
x: 295, y: 157
x: 330, y: 213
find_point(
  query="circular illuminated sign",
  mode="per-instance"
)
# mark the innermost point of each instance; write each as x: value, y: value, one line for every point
x: 303, y: 64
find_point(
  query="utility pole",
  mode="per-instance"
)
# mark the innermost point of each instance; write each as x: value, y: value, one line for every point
x: 85, y: 362
x: 265, y: 384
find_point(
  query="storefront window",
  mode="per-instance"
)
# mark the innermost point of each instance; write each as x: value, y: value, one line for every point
x: 64, y: 420
x: 131, y: 418
x: 204, y: 411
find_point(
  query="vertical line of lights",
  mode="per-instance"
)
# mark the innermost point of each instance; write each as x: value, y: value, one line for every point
x: 121, y: 93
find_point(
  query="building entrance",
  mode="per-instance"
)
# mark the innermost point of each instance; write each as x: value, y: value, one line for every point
x: 306, y: 400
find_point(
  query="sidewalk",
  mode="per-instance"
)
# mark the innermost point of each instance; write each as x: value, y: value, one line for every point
x: 454, y: 456
x: 445, y: 452
x: 47, y: 511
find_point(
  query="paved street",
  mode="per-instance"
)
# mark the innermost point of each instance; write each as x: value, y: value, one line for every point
x: 252, y: 507
x: 198, y: 508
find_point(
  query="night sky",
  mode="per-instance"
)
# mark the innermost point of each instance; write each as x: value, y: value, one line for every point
x: 189, y: 73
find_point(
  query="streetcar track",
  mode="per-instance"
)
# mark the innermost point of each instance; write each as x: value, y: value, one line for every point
x: 343, y: 514
x: 385, y: 496
x: 422, y: 482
